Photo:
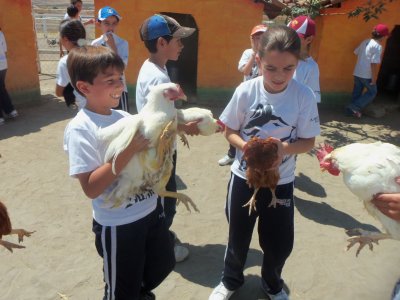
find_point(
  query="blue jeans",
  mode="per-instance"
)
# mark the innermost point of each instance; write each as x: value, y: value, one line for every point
x: 359, y: 99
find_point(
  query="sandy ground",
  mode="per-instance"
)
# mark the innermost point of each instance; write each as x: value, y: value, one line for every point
x: 60, y: 258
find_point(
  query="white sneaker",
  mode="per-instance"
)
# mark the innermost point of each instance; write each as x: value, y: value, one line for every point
x: 280, y: 296
x: 2, y: 121
x: 220, y: 293
x: 12, y: 114
x: 226, y: 160
x: 181, y: 253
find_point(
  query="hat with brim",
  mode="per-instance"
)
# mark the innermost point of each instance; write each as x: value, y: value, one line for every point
x: 161, y: 25
x: 304, y: 26
x: 106, y: 12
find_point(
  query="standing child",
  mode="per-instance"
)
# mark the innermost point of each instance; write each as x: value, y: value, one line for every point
x: 307, y: 71
x: 108, y: 20
x: 72, y: 32
x: 162, y: 37
x: 283, y: 109
x: 6, y: 105
x: 132, y: 239
x: 366, y: 71
x: 248, y: 66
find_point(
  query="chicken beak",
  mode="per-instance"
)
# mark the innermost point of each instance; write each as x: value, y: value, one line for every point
x: 181, y: 94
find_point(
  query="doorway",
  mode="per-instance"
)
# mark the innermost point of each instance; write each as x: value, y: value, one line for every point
x: 388, y: 81
x: 184, y: 70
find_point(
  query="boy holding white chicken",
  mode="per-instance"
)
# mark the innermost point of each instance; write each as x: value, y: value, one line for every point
x: 108, y: 20
x: 162, y: 36
x: 132, y: 239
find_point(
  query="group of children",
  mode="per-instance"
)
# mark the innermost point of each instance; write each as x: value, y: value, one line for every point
x: 134, y: 241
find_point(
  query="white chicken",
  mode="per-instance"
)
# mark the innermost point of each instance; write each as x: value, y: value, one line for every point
x: 368, y: 169
x: 150, y: 169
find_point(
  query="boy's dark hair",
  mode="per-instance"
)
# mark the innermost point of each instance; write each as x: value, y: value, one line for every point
x: 72, y: 11
x: 280, y: 38
x: 87, y: 62
x: 73, y: 30
x: 73, y: 2
x: 151, y: 45
x: 375, y: 35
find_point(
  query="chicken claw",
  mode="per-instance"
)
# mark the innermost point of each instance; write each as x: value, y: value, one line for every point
x: 252, y: 202
x: 21, y: 233
x: 364, y: 238
x: 9, y: 246
x: 180, y: 198
x: 184, y: 140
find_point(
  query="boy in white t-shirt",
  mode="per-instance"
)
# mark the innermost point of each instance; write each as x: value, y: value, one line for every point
x: 162, y: 37
x: 108, y: 20
x: 366, y: 71
x: 132, y: 239
x: 248, y: 66
x: 272, y: 105
x: 307, y: 71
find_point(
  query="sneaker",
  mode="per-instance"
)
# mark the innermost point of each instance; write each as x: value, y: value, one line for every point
x: 147, y: 296
x: 353, y: 113
x: 279, y: 296
x: 12, y: 114
x: 220, y: 293
x: 181, y: 253
x: 226, y: 160
x: 2, y: 121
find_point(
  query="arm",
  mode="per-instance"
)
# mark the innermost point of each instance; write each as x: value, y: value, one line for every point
x: 59, y: 90
x: 374, y: 71
x: 95, y: 182
x: 389, y: 204
x: 190, y: 128
x: 88, y: 22
x: 246, y: 69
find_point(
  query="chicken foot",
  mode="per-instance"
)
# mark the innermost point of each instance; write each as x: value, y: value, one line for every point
x: 184, y: 140
x: 180, y: 198
x: 252, y: 202
x: 10, y: 246
x: 364, y: 238
x: 21, y: 233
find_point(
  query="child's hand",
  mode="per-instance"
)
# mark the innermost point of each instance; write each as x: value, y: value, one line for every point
x: 191, y: 128
x: 139, y: 143
x: 388, y: 204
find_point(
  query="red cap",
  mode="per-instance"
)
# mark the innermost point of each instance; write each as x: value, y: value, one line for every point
x: 381, y: 29
x: 304, y: 26
x: 258, y: 29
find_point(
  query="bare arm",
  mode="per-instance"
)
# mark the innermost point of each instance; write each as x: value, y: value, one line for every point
x: 374, y: 71
x: 246, y: 69
x: 95, y: 182
x: 59, y: 90
x: 190, y: 128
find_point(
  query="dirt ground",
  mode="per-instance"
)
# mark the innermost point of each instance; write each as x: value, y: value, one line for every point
x: 60, y: 260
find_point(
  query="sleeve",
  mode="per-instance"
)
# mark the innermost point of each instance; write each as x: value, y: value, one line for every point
x: 374, y: 54
x: 234, y: 113
x: 308, y: 125
x: 244, y: 59
x: 313, y: 83
x: 80, y: 146
x: 62, y: 73
x: 123, y: 52
x: 3, y: 43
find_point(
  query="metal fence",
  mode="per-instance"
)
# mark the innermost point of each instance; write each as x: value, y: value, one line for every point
x: 47, y: 39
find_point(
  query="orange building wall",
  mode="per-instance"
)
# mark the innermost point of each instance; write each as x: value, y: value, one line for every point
x: 224, y: 29
x: 16, y: 22
x: 338, y: 36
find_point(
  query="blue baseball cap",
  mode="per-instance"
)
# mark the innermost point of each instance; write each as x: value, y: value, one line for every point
x: 106, y: 12
x: 160, y: 25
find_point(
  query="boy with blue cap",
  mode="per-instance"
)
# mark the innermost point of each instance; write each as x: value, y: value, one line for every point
x: 162, y: 36
x: 108, y: 20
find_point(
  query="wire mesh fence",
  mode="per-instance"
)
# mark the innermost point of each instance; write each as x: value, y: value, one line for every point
x: 47, y: 39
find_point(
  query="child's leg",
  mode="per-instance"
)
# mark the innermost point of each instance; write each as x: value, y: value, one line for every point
x: 123, y: 249
x: 160, y: 257
x: 276, y: 234
x: 240, y: 231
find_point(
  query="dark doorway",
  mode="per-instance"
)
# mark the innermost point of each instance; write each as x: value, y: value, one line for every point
x: 184, y: 71
x: 389, y: 74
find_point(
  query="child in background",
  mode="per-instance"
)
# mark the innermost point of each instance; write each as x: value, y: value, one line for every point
x: 248, y: 66
x: 72, y: 32
x: 307, y: 71
x: 162, y: 37
x: 366, y: 71
x: 132, y: 239
x: 73, y: 13
x: 283, y: 109
x: 108, y: 20
x: 6, y: 105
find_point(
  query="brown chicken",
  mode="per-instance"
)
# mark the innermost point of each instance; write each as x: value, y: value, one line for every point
x: 260, y: 156
x: 6, y: 229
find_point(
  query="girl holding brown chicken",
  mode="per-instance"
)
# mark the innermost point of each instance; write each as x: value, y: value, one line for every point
x: 269, y: 106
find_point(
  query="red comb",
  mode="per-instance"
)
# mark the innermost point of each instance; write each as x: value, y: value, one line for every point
x: 220, y: 123
x: 323, y: 150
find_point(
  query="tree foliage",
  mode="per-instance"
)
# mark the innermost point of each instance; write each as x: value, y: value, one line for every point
x: 371, y: 11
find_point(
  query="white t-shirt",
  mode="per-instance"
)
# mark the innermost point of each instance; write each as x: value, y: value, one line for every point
x: 368, y: 52
x: 122, y: 49
x: 246, y: 56
x: 86, y: 154
x: 3, y: 51
x: 63, y: 79
x: 288, y: 115
x: 150, y: 75
x: 307, y: 73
